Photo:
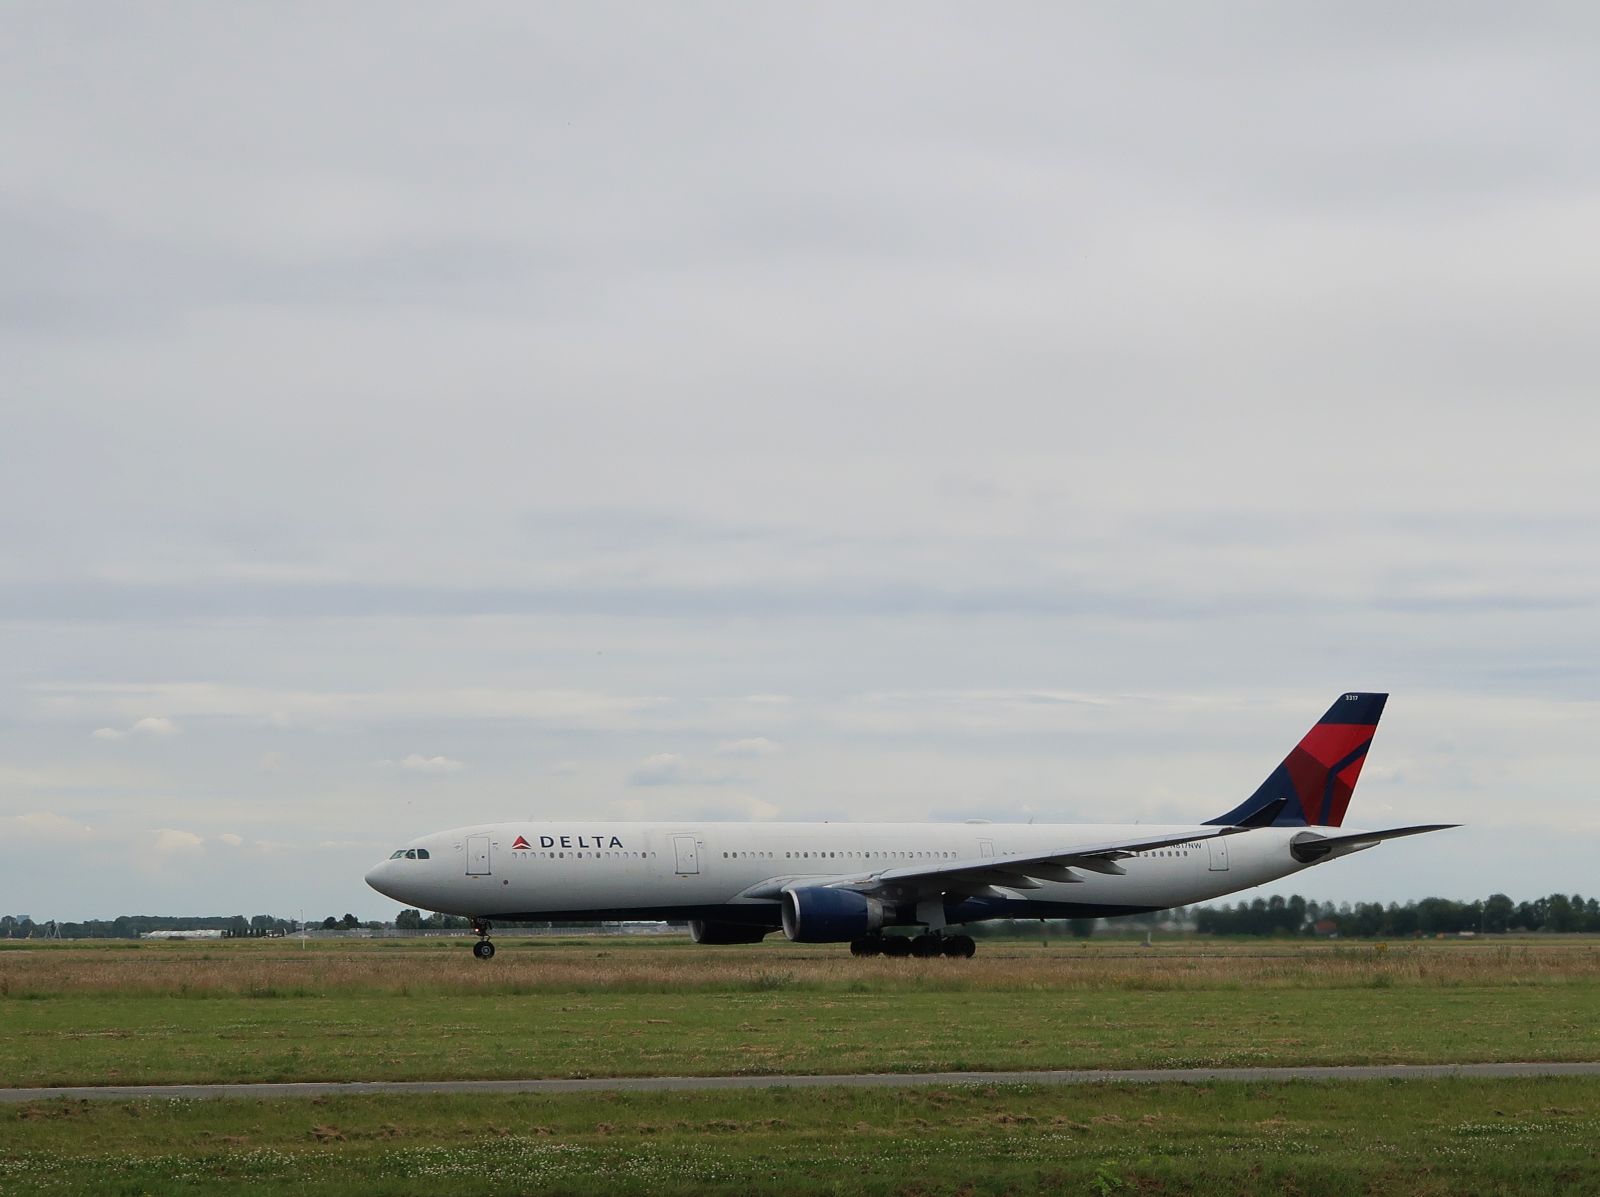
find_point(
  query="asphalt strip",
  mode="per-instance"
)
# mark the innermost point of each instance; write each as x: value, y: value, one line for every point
x: 870, y: 1080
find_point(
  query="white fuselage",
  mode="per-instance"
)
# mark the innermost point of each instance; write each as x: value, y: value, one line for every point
x: 602, y: 870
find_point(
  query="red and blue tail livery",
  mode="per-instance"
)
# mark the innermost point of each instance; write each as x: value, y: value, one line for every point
x: 1314, y: 783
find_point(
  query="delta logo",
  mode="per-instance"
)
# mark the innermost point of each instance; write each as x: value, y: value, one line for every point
x: 521, y: 844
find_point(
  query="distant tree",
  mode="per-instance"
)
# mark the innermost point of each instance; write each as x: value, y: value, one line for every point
x: 350, y: 922
x: 408, y: 920
x: 1081, y: 928
x: 1497, y: 912
x: 330, y: 923
x: 1529, y: 916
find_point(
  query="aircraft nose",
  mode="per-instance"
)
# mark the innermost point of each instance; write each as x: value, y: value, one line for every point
x: 376, y: 876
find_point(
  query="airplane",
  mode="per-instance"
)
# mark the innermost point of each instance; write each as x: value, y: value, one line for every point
x: 737, y: 883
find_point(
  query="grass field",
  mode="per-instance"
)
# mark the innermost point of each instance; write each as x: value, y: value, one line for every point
x: 1423, y: 1138
x: 421, y: 1010
x: 410, y: 1009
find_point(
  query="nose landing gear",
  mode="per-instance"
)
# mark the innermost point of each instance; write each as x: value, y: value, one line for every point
x: 483, y: 949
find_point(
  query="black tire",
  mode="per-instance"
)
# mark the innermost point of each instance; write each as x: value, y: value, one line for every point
x: 483, y: 950
x: 867, y: 945
x: 896, y: 945
x: 962, y: 946
x: 924, y: 946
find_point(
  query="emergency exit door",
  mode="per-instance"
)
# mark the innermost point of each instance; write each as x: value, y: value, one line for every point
x: 1219, y: 854
x: 688, y: 855
x: 477, y: 856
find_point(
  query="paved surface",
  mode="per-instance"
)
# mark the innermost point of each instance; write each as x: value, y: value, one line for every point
x: 871, y: 1080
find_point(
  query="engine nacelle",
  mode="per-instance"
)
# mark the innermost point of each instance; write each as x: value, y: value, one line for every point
x: 815, y: 914
x: 715, y: 933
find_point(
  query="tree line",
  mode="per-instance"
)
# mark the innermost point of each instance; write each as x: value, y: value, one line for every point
x: 1494, y: 915
x: 131, y: 926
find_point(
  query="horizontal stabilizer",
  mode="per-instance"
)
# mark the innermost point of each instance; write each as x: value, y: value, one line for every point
x: 1309, y: 846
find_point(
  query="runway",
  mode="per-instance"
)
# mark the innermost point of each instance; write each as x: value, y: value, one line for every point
x: 870, y: 1080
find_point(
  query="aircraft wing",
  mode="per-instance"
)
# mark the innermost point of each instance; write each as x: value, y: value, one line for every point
x: 981, y: 875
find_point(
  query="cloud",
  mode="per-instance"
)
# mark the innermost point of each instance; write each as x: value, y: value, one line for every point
x: 1350, y: 211
x: 751, y: 746
x: 168, y: 841
x: 43, y: 825
x: 150, y: 725
x: 760, y: 809
x: 418, y: 763
x: 283, y: 709
x: 233, y: 841
x: 673, y: 769
x: 662, y: 769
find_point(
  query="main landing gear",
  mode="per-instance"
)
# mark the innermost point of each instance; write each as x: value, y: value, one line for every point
x: 483, y: 949
x: 926, y: 945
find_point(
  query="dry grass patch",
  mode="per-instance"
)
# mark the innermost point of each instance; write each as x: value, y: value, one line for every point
x: 277, y: 969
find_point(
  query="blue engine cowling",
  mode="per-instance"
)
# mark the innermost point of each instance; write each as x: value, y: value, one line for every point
x: 814, y: 914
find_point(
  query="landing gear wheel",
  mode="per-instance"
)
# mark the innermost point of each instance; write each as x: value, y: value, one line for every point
x: 483, y: 949
x: 926, y: 945
x: 960, y: 945
x: 896, y: 945
x: 867, y: 945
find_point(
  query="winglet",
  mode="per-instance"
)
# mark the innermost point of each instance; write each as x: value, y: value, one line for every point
x: 1314, y: 783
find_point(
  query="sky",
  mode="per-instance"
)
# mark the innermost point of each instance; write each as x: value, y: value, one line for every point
x: 911, y: 411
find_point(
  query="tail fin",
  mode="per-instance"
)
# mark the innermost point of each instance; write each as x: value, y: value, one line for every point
x: 1315, y: 781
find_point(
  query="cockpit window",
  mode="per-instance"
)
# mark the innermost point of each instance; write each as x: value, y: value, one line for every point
x: 422, y: 854
x: 411, y: 854
x: 397, y: 854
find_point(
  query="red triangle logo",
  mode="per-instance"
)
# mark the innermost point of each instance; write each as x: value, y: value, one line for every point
x: 519, y: 842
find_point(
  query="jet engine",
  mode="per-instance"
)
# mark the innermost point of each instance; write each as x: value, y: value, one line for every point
x: 816, y: 914
x: 714, y: 933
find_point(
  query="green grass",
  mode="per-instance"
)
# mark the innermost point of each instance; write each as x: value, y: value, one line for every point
x: 81, y: 1040
x: 402, y: 1011
x: 109, y: 1013
x: 1415, y: 1137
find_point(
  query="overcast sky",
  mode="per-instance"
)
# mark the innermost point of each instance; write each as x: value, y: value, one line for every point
x: 736, y: 411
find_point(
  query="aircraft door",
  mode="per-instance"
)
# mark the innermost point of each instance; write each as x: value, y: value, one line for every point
x: 1219, y: 854
x: 986, y: 849
x: 477, y: 856
x: 688, y: 856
